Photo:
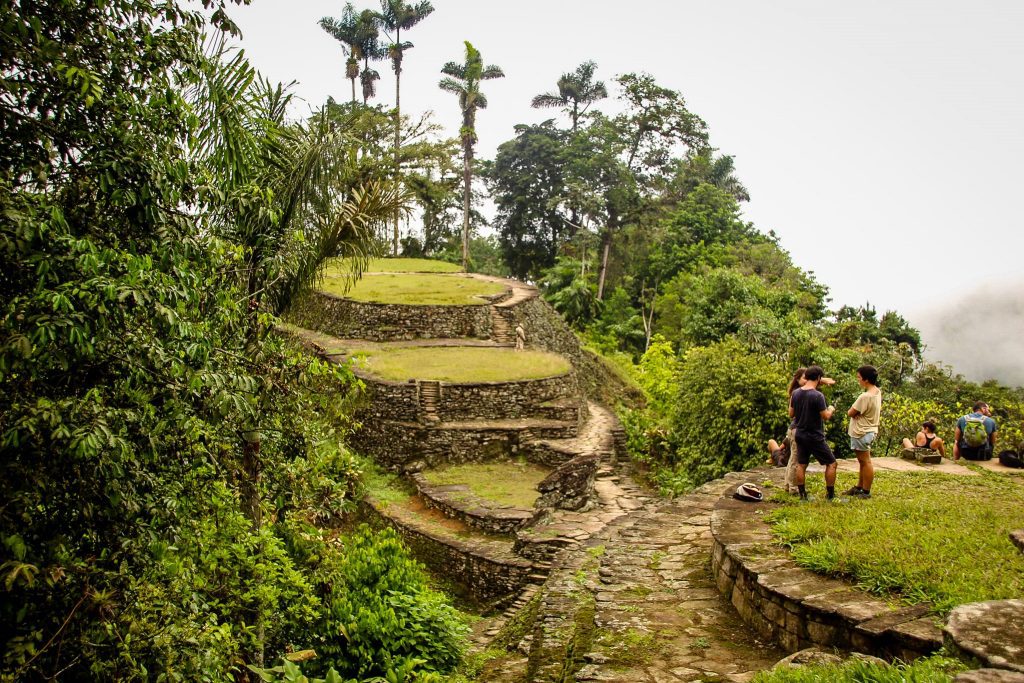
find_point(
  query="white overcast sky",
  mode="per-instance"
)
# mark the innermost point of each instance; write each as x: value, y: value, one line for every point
x: 881, y: 140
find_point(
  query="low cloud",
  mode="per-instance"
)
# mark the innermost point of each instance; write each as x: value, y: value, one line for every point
x: 980, y: 334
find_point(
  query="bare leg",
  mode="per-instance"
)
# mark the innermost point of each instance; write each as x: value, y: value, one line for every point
x: 940, y: 446
x: 908, y: 444
x: 867, y: 469
x: 773, y: 446
x: 830, y: 474
x: 801, y: 474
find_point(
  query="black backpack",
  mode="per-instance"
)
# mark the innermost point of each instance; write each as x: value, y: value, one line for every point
x: 1010, y: 458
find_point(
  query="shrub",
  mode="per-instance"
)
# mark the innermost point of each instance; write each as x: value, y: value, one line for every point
x: 380, y: 614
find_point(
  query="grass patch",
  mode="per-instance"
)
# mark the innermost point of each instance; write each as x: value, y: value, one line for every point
x: 385, y: 486
x: 628, y: 648
x: 413, y: 288
x: 397, y: 265
x: 461, y: 364
x: 934, y: 669
x: 924, y: 537
x: 506, y: 482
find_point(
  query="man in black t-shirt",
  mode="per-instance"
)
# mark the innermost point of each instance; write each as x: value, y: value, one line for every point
x: 808, y: 408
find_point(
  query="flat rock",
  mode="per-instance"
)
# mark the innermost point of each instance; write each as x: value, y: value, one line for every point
x: 991, y: 632
x: 989, y: 676
x: 1017, y: 538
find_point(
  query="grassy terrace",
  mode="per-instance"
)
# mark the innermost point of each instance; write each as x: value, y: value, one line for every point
x: 401, y: 265
x: 934, y: 669
x: 412, y: 288
x: 923, y: 537
x: 506, y: 482
x: 460, y: 364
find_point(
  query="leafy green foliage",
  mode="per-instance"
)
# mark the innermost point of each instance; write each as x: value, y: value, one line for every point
x: 380, y: 603
x: 163, y: 506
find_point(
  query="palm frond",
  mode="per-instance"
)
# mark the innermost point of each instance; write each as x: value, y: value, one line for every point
x: 454, y: 69
x: 492, y: 71
x: 451, y: 85
x: 548, y: 100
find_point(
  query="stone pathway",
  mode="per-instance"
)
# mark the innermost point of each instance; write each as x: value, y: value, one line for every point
x: 637, y: 604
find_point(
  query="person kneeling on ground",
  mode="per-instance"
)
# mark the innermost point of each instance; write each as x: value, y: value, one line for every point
x: 926, y: 438
x: 807, y: 407
x: 865, y: 417
x: 975, y: 434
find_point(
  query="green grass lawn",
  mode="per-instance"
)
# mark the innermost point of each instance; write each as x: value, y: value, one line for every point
x: 923, y: 537
x: 399, y: 265
x: 413, y: 288
x: 509, y: 482
x: 461, y: 364
x: 933, y: 669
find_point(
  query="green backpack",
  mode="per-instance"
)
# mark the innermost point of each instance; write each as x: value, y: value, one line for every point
x: 975, y: 435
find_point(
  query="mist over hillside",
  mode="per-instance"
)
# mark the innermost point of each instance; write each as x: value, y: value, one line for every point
x: 980, y: 334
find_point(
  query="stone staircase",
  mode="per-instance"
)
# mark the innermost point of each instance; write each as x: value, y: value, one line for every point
x: 502, y: 332
x: 430, y: 397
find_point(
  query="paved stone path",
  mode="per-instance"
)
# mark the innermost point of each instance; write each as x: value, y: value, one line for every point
x: 637, y: 604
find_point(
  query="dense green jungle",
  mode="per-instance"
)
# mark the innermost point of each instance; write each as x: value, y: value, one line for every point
x: 177, y: 493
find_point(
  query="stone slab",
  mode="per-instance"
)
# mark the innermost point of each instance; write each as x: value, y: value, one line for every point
x: 989, y: 676
x: 990, y: 632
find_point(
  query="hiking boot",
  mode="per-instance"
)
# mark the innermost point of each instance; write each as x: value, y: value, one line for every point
x: 853, y: 491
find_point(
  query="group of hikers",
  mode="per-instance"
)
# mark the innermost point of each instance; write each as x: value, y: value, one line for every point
x: 974, y: 439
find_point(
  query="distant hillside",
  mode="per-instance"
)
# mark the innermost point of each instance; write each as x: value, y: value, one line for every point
x: 981, y: 334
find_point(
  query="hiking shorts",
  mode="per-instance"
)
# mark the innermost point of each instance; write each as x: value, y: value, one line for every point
x: 819, y: 449
x: 862, y: 443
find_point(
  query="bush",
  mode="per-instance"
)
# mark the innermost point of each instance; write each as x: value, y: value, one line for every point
x: 380, y: 614
x: 729, y: 403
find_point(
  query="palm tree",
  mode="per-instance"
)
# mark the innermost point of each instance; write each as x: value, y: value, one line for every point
x: 464, y: 80
x: 369, y: 47
x: 394, y: 17
x: 346, y: 32
x: 576, y: 89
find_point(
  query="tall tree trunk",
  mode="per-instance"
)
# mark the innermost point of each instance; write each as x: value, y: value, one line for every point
x: 252, y: 466
x: 467, y: 180
x: 353, y: 90
x: 398, y: 134
x: 606, y: 245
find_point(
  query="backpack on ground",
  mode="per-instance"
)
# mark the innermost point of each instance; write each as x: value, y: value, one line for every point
x: 1010, y: 458
x: 974, y: 434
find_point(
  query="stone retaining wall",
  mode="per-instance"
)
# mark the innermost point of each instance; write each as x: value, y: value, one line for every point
x: 397, y: 444
x: 348, y: 319
x: 506, y: 400
x: 490, y: 575
x: 796, y: 607
x: 551, y: 398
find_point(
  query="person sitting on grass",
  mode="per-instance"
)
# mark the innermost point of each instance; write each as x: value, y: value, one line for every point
x: 779, y: 453
x: 926, y: 438
x: 807, y: 407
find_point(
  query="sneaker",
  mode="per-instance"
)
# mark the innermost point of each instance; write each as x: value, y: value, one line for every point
x: 861, y: 493
x: 853, y: 491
